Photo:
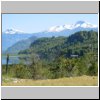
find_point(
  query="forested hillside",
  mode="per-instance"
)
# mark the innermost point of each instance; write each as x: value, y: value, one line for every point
x: 79, y: 44
x: 57, y: 57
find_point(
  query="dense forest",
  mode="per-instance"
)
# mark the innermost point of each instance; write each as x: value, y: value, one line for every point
x: 56, y: 57
x: 79, y: 44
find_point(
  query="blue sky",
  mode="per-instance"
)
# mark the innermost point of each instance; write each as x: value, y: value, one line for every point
x: 31, y: 23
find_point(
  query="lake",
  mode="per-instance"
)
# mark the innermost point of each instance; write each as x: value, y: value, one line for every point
x: 16, y: 60
x: 12, y: 60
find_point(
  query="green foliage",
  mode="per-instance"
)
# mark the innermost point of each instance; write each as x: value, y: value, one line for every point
x: 18, y: 71
x: 93, y: 69
x: 79, y: 43
x: 35, y: 70
x: 52, y: 57
x: 21, y: 71
x: 43, y: 47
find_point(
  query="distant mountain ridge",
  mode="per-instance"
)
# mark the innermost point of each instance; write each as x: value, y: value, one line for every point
x: 66, y: 30
x: 13, y: 31
x: 78, y: 24
x: 11, y: 38
x: 20, y: 45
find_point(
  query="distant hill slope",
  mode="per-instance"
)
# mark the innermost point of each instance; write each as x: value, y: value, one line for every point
x: 20, y: 45
x: 10, y: 39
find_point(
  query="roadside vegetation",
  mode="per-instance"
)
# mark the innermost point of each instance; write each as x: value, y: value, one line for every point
x: 61, y: 60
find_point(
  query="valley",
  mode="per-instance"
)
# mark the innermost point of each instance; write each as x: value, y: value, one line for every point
x: 61, y: 56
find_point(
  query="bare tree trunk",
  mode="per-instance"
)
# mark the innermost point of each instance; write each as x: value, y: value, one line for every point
x: 7, y: 64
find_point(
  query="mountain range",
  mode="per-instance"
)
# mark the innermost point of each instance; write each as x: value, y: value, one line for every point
x: 11, y: 36
x: 66, y: 30
x: 13, y: 40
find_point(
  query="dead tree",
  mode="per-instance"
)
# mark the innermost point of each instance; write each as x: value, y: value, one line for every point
x: 7, y: 63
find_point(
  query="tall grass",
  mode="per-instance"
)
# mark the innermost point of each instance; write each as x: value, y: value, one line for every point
x: 71, y: 81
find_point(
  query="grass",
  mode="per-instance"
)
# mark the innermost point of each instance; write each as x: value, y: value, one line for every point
x: 71, y: 81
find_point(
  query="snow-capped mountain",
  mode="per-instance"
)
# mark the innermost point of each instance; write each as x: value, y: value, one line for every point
x: 66, y: 30
x: 12, y: 31
x: 79, y: 24
x: 12, y: 36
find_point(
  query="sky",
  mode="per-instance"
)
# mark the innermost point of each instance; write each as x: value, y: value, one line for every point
x: 32, y: 23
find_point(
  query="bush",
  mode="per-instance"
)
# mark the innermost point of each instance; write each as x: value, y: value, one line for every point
x: 93, y: 69
x: 21, y: 71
